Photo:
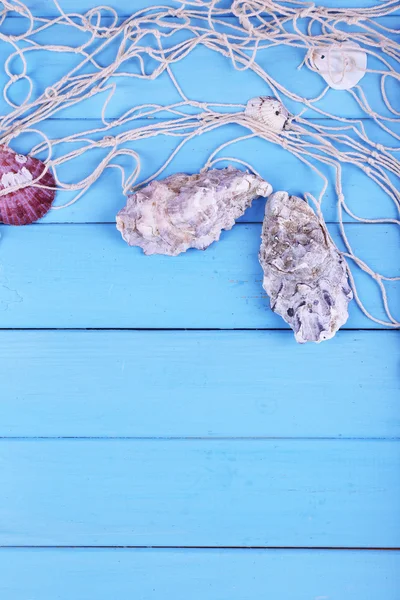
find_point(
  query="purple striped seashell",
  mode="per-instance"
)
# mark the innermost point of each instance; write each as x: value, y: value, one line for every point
x: 30, y: 202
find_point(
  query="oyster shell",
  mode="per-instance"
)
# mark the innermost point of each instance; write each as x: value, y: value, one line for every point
x: 305, y: 276
x: 188, y: 211
x: 31, y: 202
x: 270, y: 111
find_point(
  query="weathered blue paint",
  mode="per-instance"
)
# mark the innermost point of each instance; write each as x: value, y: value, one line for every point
x: 191, y: 438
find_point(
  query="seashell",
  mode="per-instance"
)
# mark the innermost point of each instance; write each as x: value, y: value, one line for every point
x: 188, y: 211
x: 270, y: 111
x: 305, y: 276
x: 29, y: 203
x: 342, y: 65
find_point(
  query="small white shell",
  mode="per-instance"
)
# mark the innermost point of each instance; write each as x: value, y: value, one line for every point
x: 188, y: 211
x: 270, y: 111
x: 304, y: 274
x: 342, y: 65
x: 21, y: 159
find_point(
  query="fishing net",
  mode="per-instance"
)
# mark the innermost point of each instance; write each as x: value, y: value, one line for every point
x: 343, y: 100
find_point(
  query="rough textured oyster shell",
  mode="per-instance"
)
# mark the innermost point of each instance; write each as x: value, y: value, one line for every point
x: 31, y: 202
x: 188, y: 211
x: 304, y: 274
x: 270, y: 111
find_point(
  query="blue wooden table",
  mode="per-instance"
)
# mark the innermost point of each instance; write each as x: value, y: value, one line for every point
x: 162, y: 435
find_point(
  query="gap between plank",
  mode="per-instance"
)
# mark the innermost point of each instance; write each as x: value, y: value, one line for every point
x: 172, y: 438
x: 156, y: 118
x: 228, y: 16
x: 248, y: 548
x: 188, y: 329
x: 113, y: 223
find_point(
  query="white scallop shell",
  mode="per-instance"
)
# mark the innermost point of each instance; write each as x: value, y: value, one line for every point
x: 188, y: 211
x: 270, y: 111
x: 305, y: 276
x: 342, y: 65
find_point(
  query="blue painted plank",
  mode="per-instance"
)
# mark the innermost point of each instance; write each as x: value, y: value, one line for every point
x: 197, y: 574
x: 210, y: 84
x: 102, y: 202
x: 200, y: 493
x: 46, y: 8
x: 215, y: 80
x: 77, y: 276
x: 198, y: 384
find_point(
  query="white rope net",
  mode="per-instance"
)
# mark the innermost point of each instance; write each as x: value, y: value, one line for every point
x: 153, y: 42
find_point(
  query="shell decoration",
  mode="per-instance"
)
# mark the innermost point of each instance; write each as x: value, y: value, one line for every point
x: 270, y: 111
x: 342, y: 65
x: 30, y: 202
x: 305, y: 276
x: 188, y: 211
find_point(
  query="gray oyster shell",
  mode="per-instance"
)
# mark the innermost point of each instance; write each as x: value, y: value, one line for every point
x: 305, y: 276
x: 188, y: 211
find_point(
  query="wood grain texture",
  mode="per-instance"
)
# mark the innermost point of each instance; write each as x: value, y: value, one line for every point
x: 200, y: 493
x: 198, y: 384
x: 92, y: 574
x: 77, y: 276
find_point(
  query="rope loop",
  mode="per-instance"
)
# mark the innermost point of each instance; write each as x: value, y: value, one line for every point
x: 50, y: 93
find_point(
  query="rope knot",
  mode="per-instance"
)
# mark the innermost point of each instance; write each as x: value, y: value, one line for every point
x: 202, y: 106
x: 341, y: 198
x: 370, y: 160
x: 129, y: 27
x: 177, y: 12
x: 15, y: 132
x: 200, y: 117
x: 367, y: 170
x: 224, y: 36
x: 353, y: 20
x: 380, y: 147
x: 108, y: 140
x: 306, y: 11
x: 245, y: 22
x: 50, y: 93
